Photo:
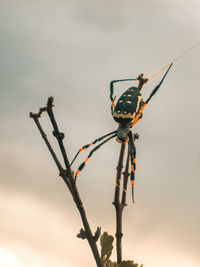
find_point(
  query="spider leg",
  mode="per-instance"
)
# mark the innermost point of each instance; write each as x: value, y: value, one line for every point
x: 139, y: 115
x: 91, y: 152
x: 88, y: 145
x: 132, y: 152
x: 112, y: 91
x: 158, y: 86
x: 149, y: 98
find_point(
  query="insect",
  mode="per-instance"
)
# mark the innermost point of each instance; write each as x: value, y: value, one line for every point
x: 127, y: 112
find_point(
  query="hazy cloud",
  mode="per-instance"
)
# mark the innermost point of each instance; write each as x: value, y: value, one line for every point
x: 71, y: 50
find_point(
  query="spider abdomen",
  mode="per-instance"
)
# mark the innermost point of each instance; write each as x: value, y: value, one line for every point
x: 128, y: 105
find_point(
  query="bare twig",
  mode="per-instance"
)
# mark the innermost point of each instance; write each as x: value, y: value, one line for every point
x: 59, y: 136
x: 118, y: 205
x: 35, y: 117
x: 125, y: 180
x: 118, y: 177
x: 121, y: 203
x: 68, y: 177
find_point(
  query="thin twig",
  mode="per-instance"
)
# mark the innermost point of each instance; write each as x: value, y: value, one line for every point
x: 67, y: 176
x: 125, y: 180
x: 35, y: 117
x: 118, y: 177
x: 59, y: 136
x: 120, y: 204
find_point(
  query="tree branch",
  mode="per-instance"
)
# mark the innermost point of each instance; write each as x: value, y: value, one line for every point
x: 59, y: 136
x: 126, y: 174
x: 67, y: 175
x: 120, y: 204
x: 118, y: 177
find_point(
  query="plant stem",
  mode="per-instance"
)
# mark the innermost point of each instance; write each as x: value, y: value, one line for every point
x: 88, y: 232
x: 120, y: 204
x: 67, y: 174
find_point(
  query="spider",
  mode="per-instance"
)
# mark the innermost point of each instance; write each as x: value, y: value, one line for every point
x: 127, y: 112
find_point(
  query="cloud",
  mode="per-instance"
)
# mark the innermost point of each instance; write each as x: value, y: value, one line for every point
x: 72, y: 50
x: 40, y: 232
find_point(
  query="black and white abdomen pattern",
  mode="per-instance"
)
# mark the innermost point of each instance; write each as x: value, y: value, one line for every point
x: 128, y: 105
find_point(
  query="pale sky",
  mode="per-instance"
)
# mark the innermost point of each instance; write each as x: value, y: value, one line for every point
x: 71, y: 50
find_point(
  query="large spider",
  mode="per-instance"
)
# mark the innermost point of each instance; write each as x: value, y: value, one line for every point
x: 127, y: 112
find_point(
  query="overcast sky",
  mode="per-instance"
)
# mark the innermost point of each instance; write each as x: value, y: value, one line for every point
x: 71, y: 50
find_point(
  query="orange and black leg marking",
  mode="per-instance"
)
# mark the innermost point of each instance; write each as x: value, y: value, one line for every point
x: 133, y: 168
x: 138, y: 117
x: 112, y: 105
x: 88, y: 145
x: 125, y: 142
x: 90, y: 154
x: 132, y: 151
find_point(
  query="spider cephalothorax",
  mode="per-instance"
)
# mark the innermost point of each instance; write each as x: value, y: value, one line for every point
x: 127, y: 112
x: 122, y: 132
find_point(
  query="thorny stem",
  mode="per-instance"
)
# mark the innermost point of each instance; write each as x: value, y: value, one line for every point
x: 67, y: 176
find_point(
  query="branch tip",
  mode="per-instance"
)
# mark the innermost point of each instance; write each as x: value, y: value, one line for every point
x: 68, y: 177
x: 97, y: 234
x: 50, y: 102
x: 34, y: 115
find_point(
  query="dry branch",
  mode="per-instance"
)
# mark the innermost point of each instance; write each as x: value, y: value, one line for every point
x: 121, y: 203
x: 67, y: 175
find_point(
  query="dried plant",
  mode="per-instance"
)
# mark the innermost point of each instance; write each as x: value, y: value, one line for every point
x: 106, y: 241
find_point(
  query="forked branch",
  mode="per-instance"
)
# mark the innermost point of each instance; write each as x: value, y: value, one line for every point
x: 67, y: 175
